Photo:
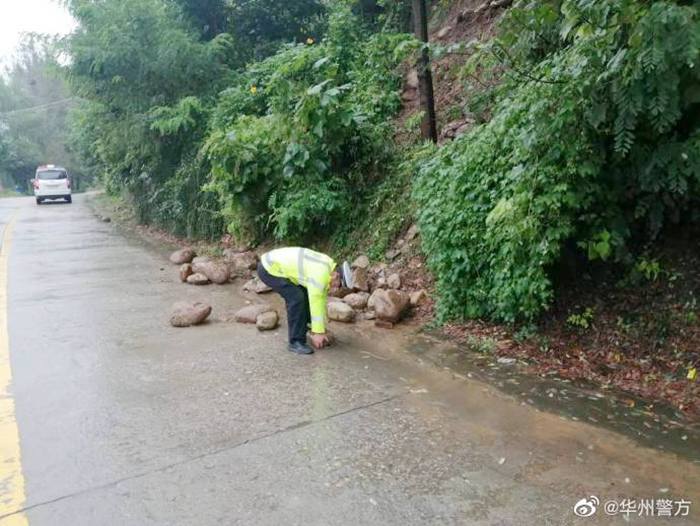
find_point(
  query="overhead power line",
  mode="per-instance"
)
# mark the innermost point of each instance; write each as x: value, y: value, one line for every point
x: 37, y: 108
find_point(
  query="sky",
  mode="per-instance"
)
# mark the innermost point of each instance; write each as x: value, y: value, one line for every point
x: 23, y: 16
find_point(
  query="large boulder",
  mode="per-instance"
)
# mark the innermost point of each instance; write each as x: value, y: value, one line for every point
x: 267, y: 321
x: 185, y: 272
x: 361, y: 280
x: 361, y: 262
x: 215, y: 271
x: 250, y: 313
x: 184, y: 255
x: 242, y: 261
x: 357, y: 300
x: 256, y: 285
x: 338, y: 311
x: 185, y: 313
x: 389, y: 305
x: 198, y: 279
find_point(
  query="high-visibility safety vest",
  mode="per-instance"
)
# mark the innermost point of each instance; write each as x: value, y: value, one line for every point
x: 310, y: 269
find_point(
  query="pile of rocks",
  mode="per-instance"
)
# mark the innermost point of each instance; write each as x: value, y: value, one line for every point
x: 203, y: 270
x: 378, y: 295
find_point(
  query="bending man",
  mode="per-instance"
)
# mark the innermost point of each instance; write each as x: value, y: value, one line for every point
x: 303, y: 278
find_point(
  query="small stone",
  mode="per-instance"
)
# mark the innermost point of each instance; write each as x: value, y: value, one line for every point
x: 185, y: 272
x: 412, y: 232
x: 215, y: 271
x: 357, y: 300
x: 394, y: 281
x: 256, y: 285
x: 381, y: 283
x: 250, y: 313
x: 417, y: 298
x: 184, y: 255
x: 267, y: 321
x: 185, y: 314
x: 198, y: 279
x: 409, y: 95
x: 370, y: 315
x: 415, y: 263
x: 506, y: 361
x: 342, y: 312
x: 391, y: 254
x: 242, y: 261
x: 361, y: 280
x: 361, y: 262
x: 106, y: 219
x: 444, y: 32
x: 412, y: 79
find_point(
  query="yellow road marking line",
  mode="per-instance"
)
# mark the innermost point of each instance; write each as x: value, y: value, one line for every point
x: 12, y: 494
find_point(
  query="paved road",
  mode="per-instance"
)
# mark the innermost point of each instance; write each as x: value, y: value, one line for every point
x: 108, y: 416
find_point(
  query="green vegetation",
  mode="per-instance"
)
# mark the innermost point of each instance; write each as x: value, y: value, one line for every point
x: 594, y: 140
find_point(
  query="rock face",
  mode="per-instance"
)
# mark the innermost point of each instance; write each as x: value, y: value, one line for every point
x: 198, y: 279
x: 361, y: 280
x: 357, y: 300
x: 185, y: 255
x: 216, y: 272
x: 186, y: 313
x: 257, y: 286
x: 250, y: 313
x: 418, y: 297
x: 242, y: 261
x: 361, y: 262
x: 338, y: 311
x: 389, y: 305
x: 185, y: 272
x: 267, y: 321
x: 394, y: 281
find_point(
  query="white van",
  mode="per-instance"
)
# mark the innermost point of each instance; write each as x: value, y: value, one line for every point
x: 52, y: 182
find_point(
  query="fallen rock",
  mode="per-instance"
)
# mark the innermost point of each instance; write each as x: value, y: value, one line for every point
x: 339, y: 311
x: 415, y: 263
x: 370, y: 315
x: 361, y: 280
x: 185, y: 272
x: 394, y: 281
x: 412, y: 79
x: 417, y: 297
x: 186, y: 313
x: 198, y: 279
x: 391, y: 254
x: 267, y: 321
x: 200, y: 259
x: 390, y: 305
x: 242, y: 261
x: 250, y: 313
x: 412, y: 232
x: 215, y: 271
x: 381, y: 283
x: 256, y: 285
x: 409, y: 95
x: 361, y: 262
x: 184, y: 255
x: 444, y: 32
x: 106, y: 219
x: 238, y: 249
x: 357, y: 300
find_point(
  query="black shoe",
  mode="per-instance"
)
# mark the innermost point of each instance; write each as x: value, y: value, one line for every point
x: 300, y: 348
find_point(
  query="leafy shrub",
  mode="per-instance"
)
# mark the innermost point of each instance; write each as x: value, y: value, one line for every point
x: 592, y: 139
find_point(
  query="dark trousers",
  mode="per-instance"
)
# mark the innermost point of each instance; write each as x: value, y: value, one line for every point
x: 297, y: 300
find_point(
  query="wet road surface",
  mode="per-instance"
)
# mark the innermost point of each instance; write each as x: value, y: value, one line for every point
x: 110, y: 416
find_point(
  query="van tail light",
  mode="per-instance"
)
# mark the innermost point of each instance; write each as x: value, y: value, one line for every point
x: 68, y: 183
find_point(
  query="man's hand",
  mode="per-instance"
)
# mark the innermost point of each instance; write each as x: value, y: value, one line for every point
x: 318, y: 340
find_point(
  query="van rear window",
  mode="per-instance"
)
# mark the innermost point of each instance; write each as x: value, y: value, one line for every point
x: 48, y: 175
